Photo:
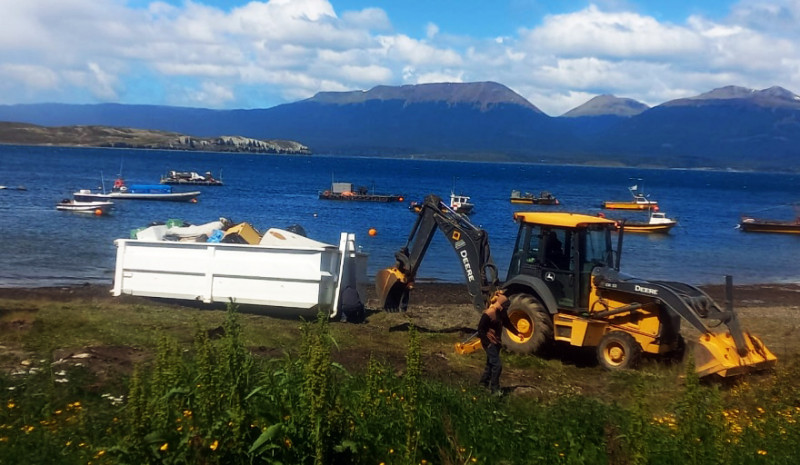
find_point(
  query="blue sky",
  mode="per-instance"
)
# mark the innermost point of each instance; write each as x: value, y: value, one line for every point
x: 238, y: 54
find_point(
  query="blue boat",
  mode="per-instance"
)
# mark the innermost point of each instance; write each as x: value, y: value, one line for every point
x: 122, y: 191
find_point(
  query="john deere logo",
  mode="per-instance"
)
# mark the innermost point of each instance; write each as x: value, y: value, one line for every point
x: 645, y: 290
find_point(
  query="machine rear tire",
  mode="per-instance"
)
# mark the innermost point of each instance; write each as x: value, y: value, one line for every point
x: 618, y: 350
x: 530, y: 318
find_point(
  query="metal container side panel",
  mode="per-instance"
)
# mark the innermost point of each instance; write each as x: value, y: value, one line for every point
x: 249, y: 274
x: 291, y: 294
x: 253, y: 291
x: 281, y: 264
x: 164, y: 285
x: 190, y: 258
x: 227, y: 259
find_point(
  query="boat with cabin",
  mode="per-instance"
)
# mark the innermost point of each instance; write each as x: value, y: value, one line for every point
x: 122, y: 191
x: 544, y: 198
x: 657, y: 223
x: 640, y: 201
x: 192, y: 178
x: 461, y: 203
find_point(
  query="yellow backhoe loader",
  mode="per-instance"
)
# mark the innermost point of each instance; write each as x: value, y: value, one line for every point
x: 564, y: 284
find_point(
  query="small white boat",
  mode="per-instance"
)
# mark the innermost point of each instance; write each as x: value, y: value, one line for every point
x: 657, y: 223
x: 93, y: 207
x: 460, y: 203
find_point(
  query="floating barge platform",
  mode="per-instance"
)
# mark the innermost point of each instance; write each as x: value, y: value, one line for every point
x: 345, y: 191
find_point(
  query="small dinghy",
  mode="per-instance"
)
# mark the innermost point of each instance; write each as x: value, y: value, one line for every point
x: 95, y: 207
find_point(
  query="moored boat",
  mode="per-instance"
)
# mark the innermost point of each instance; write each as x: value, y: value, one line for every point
x: 345, y: 191
x: 750, y: 224
x: 122, y: 191
x: 658, y: 223
x: 461, y: 203
x: 544, y: 198
x: 94, y: 207
x: 640, y: 201
x: 190, y: 178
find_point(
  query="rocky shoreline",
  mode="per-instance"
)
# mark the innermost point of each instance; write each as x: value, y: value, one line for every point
x: 129, y: 138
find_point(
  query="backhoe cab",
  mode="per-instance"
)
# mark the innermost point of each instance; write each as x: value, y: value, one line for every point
x: 565, y: 285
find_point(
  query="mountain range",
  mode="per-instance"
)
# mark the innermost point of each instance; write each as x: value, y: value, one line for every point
x: 727, y: 128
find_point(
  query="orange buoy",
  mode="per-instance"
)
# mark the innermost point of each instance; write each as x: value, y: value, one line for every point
x: 373, y: 231
x: 98, y: 212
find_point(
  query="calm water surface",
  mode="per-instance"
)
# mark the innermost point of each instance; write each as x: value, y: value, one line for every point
x: 40, y: 246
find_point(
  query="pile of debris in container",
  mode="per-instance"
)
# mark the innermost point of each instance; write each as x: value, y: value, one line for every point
x: 223, y: 231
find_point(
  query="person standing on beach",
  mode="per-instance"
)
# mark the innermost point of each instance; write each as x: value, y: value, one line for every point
x: 490, y: 329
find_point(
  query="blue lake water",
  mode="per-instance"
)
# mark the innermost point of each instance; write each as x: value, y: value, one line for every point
x: 41, y: 246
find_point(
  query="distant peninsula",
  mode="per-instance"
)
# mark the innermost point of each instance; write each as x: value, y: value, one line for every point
x: 129, y: 138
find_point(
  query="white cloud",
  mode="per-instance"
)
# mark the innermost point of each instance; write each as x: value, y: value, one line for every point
x: 596, y: 33
x: 431, y: 30
x: 103, y: 83
x: 373, y: 19
x: 441, y: 76
x: 70, y: 50
x: 212, y: 94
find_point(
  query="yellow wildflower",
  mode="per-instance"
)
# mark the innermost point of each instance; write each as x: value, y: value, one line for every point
x: 11, y: 404
x: 762, y: 452
x: 164, y: 446
x: 214, y: 445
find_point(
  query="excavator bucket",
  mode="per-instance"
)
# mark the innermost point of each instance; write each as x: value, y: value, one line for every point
x: 391, y: 287
x: 716, y: 354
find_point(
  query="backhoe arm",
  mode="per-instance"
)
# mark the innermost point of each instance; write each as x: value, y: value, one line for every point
x: 470, y: 243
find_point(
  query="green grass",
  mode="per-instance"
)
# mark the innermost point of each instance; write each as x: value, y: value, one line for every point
x: 201, y: 400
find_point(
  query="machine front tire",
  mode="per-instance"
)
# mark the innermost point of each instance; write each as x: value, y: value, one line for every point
x: 618, y: 350
x: 533, y: 321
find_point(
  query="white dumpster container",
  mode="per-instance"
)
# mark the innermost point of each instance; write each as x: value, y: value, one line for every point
x: 286, y: 271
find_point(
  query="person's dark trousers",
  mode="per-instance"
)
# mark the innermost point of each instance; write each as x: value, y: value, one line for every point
x: 494, y: 366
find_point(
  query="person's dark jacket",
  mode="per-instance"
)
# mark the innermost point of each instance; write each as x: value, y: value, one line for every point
x: 491, y: 324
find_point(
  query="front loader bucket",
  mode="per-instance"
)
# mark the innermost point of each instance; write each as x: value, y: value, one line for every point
x: 717, y: 354
x: 392, y: 289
